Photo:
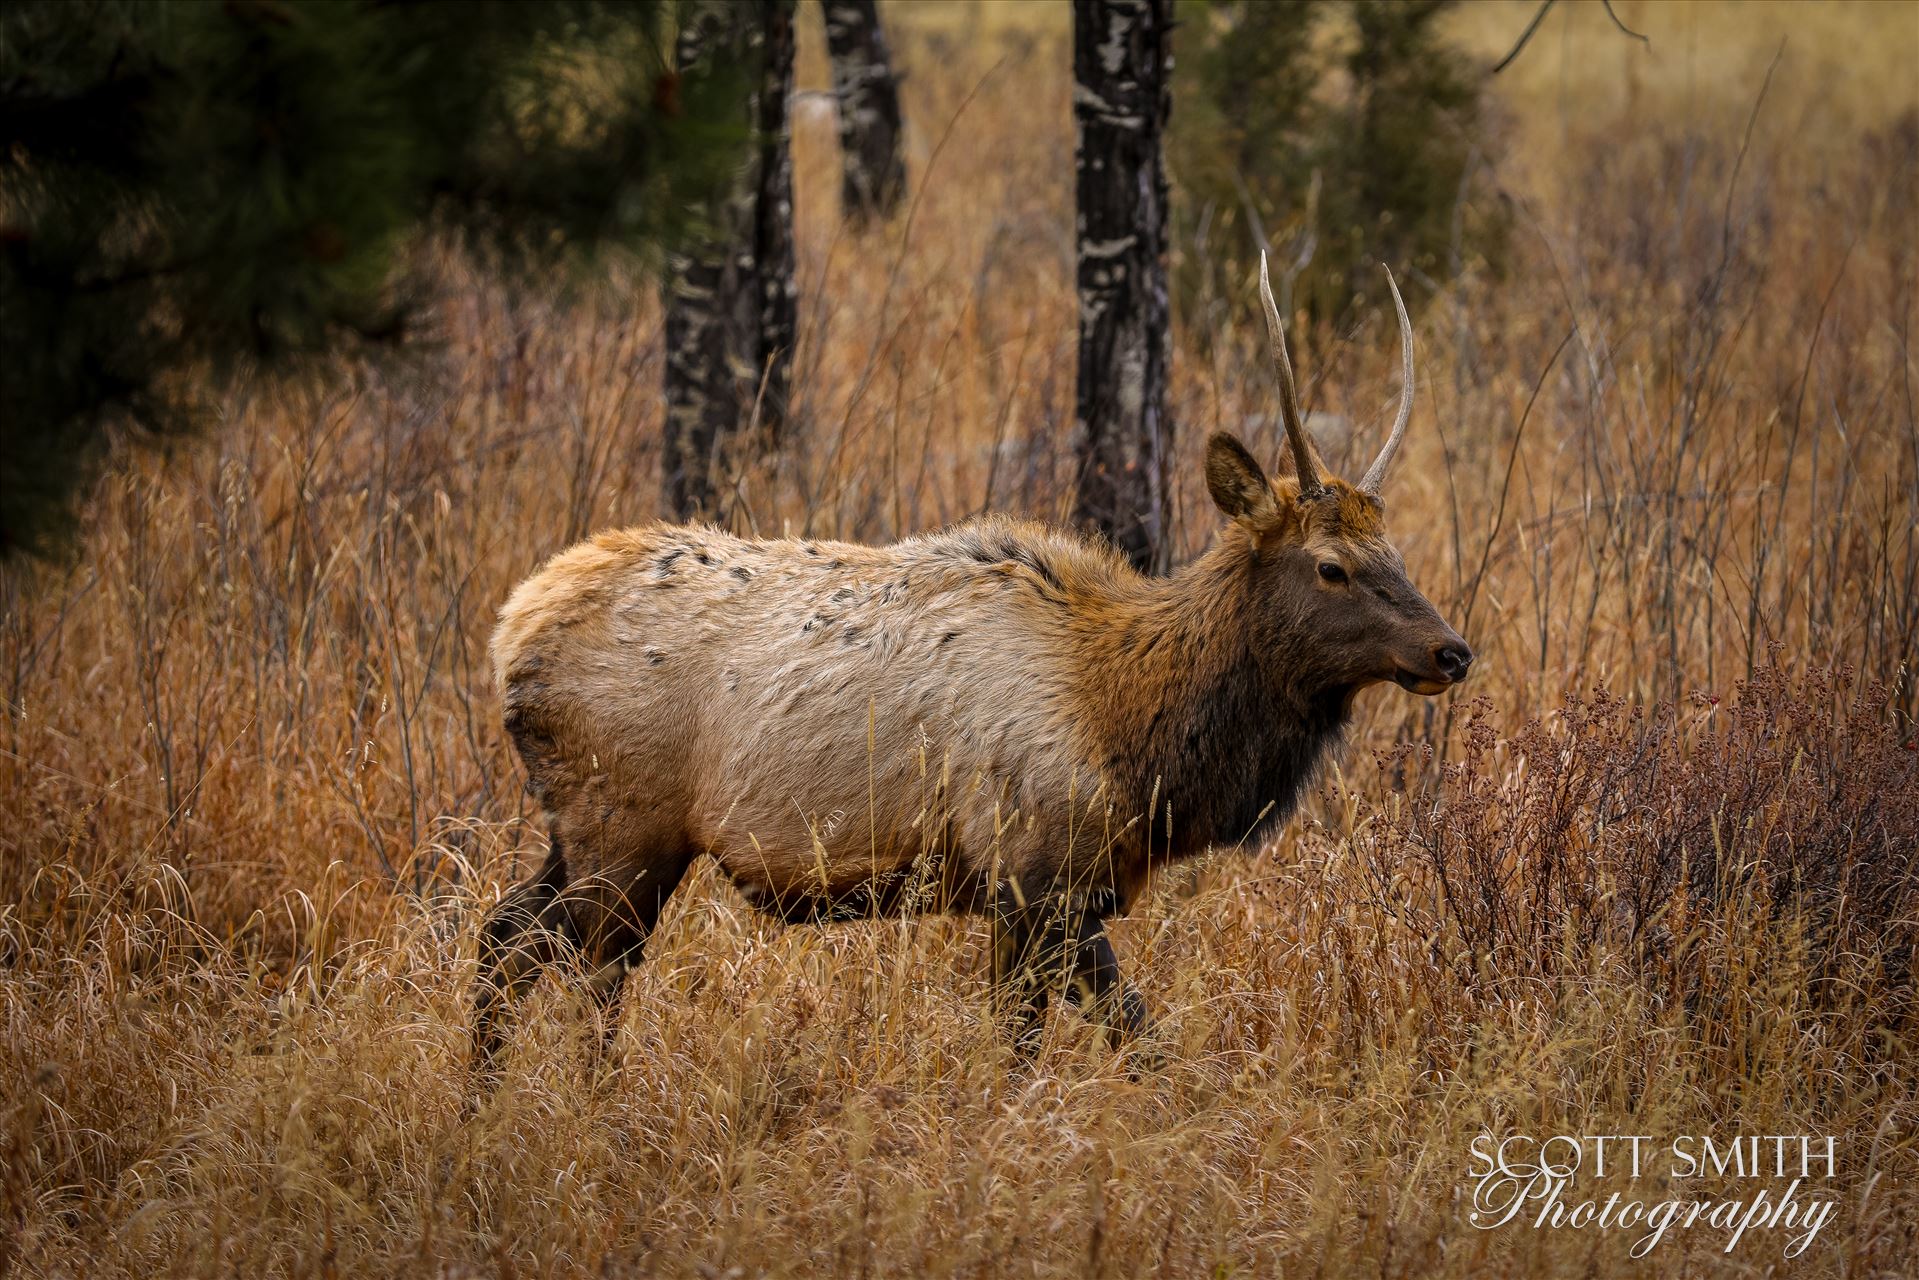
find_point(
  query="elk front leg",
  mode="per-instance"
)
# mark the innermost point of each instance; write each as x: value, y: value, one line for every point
x: 1058, y: 941
x: 1099, y: 987
x: 1031, y: 946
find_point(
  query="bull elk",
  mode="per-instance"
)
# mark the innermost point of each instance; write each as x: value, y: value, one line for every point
x: 999, y: 717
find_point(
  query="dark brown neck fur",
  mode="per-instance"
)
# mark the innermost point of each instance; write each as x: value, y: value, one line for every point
x: 1206, y: 698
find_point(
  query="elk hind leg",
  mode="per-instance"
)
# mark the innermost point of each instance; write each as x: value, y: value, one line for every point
x: 520, y: 937
x: 613, y: 914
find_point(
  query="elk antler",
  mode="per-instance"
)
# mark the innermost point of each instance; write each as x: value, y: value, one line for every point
x: 1376, y: 474
x: 1288, y: 395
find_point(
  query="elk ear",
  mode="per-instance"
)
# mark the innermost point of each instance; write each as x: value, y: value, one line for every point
x: 1237, y: 483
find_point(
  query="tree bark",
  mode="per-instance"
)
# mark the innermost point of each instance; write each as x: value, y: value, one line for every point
x: 869, y: 104
x: 1122, y: 97
x: 731, y: 303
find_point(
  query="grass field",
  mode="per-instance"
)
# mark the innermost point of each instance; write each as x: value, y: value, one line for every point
x: 1650, y: 872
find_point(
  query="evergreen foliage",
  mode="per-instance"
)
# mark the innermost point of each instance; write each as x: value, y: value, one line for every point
x: 1340, y: 131
x: 192, y: 190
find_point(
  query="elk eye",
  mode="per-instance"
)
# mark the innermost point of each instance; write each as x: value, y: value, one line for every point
x: 1331, y: 572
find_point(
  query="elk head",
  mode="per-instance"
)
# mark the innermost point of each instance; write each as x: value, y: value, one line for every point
x: 1332, y: 603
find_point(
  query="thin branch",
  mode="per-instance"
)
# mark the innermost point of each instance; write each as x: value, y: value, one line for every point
x: 1739, y: 161
x: 1524, y: 36
x: 1512, y: 458
x: 1645, y: 40
x: 1540, y: 16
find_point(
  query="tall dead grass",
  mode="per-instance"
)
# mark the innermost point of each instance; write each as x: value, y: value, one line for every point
x: 255, y: 794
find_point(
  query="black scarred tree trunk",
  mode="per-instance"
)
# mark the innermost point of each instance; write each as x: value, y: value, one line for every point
x: 731, y: 304
x: 1122, y: 97
x: 869, y: 102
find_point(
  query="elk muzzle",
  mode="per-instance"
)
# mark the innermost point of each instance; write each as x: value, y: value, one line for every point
x: 1445, y: 665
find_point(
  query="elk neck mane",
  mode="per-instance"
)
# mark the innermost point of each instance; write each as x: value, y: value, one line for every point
x: 1200, y: 698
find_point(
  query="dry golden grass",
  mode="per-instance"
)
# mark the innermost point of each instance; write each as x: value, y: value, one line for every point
x: 253, y: 794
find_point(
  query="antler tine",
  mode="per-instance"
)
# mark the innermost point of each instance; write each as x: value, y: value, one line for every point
x: 1376, y: 474
x: 1288, y: 393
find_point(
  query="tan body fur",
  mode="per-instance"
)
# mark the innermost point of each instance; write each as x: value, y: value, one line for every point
x: 814, y: 714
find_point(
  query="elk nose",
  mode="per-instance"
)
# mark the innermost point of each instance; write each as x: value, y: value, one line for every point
x: 1452, y: 660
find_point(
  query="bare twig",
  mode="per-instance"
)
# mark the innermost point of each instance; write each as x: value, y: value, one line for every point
x: 1524, y: 36
x: 1540, y: 17
x: 1645, y: 40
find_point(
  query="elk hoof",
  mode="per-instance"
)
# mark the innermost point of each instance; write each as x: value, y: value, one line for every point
x: 1144, y: 1063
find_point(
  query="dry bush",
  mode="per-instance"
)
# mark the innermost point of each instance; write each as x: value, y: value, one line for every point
x: 1611, y: 826
x: 255, y: 796
x: 1681, y: 845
